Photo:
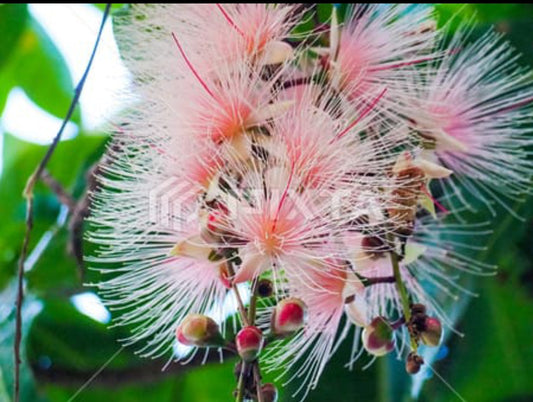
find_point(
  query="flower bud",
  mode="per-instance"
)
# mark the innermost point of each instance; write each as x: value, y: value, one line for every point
x: 199, y: 330
x: 418, y: 309
x: 264, y: 288
x: 269, y: 392
x: 378, y: 337
x: 431, y: 332
x: 413, y: 363
x: 288, y: 317
x: 249, y: 341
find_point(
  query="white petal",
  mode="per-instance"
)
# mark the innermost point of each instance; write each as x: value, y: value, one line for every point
x: 276, y: 52
x: 404, y: 161
x: 194, y: 247
x: 446, y: 142
x: 253, y: 264
x: 277, y: 177
x: 433, y: 170
x: 270, y: 111
x: 356, y: 310
x: 413, y: 251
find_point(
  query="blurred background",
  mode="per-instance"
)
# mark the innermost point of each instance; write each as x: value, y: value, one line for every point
x: 66, y: 339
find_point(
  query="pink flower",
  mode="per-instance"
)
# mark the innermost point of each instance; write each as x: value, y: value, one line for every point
x: 246, y: 161
x: 328, y: 290
x: 476, y: 108
x: 377, y: 47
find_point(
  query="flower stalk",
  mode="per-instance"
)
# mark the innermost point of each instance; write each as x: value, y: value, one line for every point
x: 402, y: 292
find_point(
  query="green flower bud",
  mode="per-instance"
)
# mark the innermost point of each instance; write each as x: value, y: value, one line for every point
x: 199, y: 330
x: 431, y: 333
x: 378, y: 337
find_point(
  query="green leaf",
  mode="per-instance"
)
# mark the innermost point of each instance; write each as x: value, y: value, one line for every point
x: 68, y: 163
x: 496, y: 347
x: 30, y: 308
x: 13, y: 19
x: 114, y: 7
x: 68, y: 339
x: 39, y: 69
x: 4, y: 396
x: 12, y: 23
x: 337, y: 382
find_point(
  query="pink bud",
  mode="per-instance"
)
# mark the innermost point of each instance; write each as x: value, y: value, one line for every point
x: 249, y: 343
x: 289, y: 316
x: 378, y: 337
x: 269, y: 392
x: 431, y: 332
x: 199, y: 330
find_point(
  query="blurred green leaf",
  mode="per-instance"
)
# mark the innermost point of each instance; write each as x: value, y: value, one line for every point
x: 31, y: 307
x: 37, y: 66
x: 135, y: 391
x: 497, y: 346
x: 13, y: 19
x: 114, y: 6
x: 20, y: 159
x: 4, y: 395
x: 68, y: 338
x: 12, y: 23
x: 338, y: 383
x: 482, y: 13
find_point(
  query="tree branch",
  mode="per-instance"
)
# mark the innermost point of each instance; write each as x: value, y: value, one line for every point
x: 28, y: 195
x: 57, y: 188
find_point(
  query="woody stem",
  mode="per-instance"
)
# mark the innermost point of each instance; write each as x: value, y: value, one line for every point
x: 248, y: 318
x: 257, y: 377
x: 240, y: 384
x: 240, y: 304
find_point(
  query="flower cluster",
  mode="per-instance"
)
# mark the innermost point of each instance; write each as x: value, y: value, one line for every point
x: 306, y: 179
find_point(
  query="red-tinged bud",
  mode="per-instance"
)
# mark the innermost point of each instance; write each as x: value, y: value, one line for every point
x: 378, y: 337
x: 224, y: 274
x: 199, y: 330
x: 431, y: 332
x: 269, y: 392
x: 413, y: 363
x: 288, y: 317
x: 249, y: 341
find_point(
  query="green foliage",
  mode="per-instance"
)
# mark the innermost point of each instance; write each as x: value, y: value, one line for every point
x: 31, y: 307
x: 36, y: 66
x: 13, y: 18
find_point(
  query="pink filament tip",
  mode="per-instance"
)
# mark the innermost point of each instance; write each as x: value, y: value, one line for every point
x: 229, y: 19
x: 362, y: 115
x: 441, y: 207
x: 191, y: 67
